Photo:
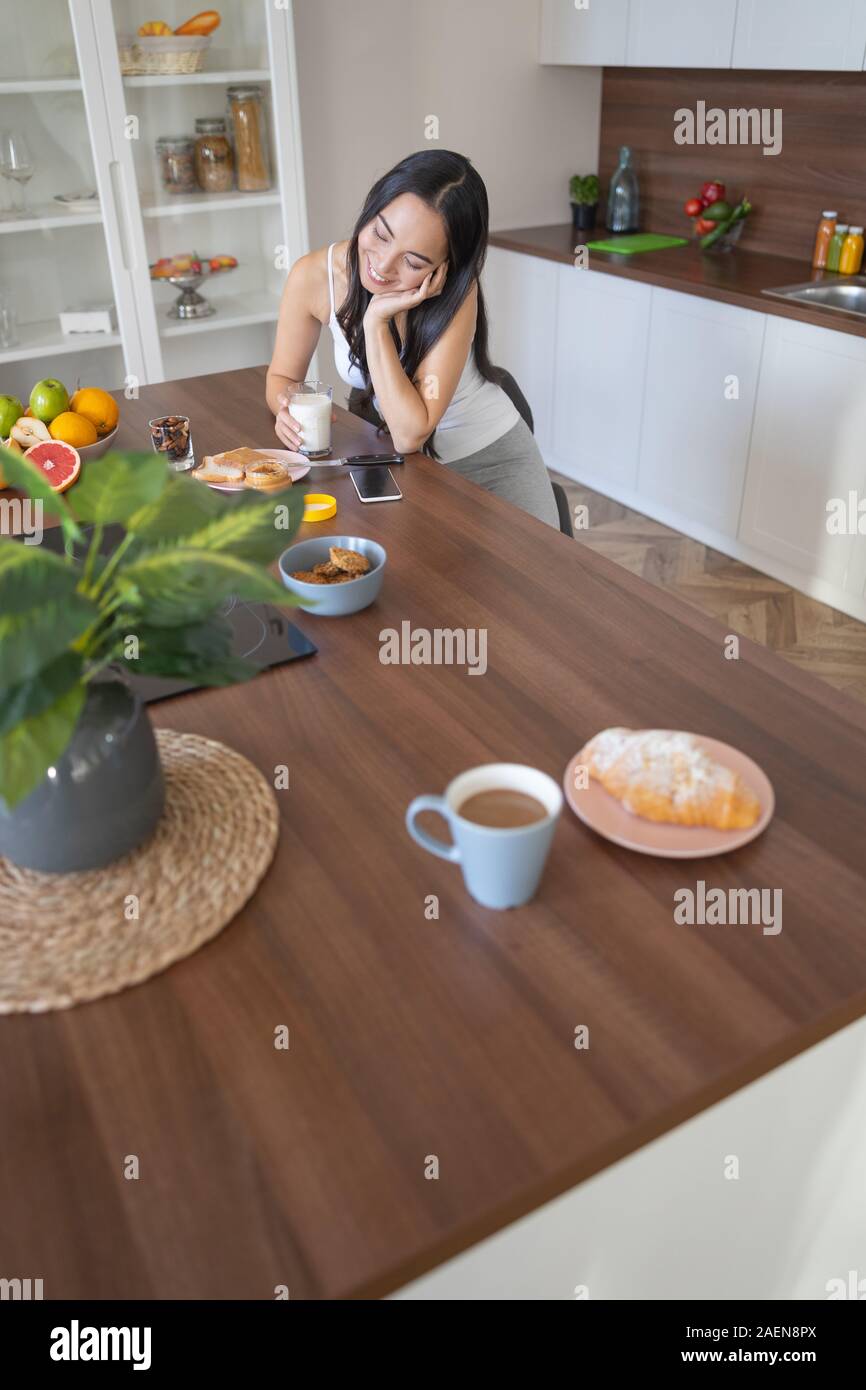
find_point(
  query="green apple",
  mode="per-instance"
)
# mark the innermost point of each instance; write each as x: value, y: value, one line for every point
x: 11, y: 410
x: 48, y: 399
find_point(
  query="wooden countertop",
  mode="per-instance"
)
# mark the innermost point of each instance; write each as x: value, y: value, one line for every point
x: 413, y: 1037
x: 735, y: 277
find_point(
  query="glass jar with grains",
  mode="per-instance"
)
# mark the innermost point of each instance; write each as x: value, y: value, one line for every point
x: 250, y: 136
x: 176, y: 155
x: 214, y: 161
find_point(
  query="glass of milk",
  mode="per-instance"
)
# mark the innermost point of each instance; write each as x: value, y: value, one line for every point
x: 310, y: 404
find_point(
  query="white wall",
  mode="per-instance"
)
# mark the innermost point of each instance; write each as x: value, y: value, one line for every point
x: 370, y: 71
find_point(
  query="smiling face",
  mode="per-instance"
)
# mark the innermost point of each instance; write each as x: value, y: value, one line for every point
x: 402, y: 244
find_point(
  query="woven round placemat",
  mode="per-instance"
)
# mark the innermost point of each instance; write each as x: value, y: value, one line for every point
x: 68, y: 938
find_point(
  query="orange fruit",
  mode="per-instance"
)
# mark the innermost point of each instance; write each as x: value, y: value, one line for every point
x: 73, y: 429
x: 96, y: 406
x: 58, y: 462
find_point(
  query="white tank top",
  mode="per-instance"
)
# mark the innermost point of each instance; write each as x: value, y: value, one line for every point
x: 478, y: 413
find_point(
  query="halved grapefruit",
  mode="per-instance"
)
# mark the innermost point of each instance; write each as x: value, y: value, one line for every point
x: 59, y: 462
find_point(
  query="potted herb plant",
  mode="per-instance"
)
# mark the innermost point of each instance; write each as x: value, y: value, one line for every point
x: 80, y: 779
x: 583, y: 189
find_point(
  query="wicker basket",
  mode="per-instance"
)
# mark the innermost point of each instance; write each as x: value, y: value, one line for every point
x: 174, y: 54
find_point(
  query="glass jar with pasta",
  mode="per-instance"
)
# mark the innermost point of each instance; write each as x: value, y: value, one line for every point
x: 249, y: 128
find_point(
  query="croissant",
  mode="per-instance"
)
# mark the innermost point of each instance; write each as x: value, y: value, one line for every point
x: 664, y: 775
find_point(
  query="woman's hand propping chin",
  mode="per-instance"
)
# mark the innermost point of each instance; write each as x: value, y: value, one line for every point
x: 383, y: 307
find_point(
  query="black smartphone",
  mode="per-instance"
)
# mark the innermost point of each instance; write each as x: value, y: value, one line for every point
x: 375, y: 484
x: 368, y: 459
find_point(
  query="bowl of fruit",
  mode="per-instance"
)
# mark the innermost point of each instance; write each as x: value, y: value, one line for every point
x: 718, y: 223
x: 186, y: 272
x: 59, y: 432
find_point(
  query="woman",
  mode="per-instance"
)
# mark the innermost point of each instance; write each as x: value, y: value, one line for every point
x: 404, y: 305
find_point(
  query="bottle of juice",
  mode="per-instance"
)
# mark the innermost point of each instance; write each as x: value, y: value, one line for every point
x: 834, y: 250
x: 823, y: 237
x: 852, y: 252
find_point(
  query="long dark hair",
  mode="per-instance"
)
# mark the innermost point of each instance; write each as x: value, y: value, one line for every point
x: 448, y: 183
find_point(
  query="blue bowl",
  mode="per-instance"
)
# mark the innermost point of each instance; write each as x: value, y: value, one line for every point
x: 333, y: 600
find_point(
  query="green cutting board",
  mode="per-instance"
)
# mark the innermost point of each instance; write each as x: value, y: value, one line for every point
x: 637, y: 241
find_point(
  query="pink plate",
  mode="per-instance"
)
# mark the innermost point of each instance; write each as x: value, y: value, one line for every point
x: 608, y: 817
x: 297, y: 465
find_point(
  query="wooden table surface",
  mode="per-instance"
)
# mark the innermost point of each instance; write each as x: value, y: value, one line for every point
x: 413, y: 1037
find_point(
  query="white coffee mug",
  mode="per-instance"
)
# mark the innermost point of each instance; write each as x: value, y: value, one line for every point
x: 501, y: 866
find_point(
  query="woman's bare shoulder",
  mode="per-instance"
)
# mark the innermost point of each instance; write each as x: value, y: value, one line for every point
x: 309, y: 278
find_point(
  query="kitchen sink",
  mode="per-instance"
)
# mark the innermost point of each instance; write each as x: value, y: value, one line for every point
x: 847, y: 294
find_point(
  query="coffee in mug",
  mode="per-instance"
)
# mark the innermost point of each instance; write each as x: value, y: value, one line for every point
x: 502, y: 808
x: 502, y: 817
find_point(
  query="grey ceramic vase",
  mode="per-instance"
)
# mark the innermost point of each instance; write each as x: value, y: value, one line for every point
x: 103, y: 796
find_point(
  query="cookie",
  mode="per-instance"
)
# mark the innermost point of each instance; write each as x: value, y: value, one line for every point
x: 326, y: 568
x: 309, y: 577
x: 342, y: 578
x: 350, y: 561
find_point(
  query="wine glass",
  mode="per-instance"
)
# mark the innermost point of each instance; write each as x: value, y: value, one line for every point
x: 16, y: 164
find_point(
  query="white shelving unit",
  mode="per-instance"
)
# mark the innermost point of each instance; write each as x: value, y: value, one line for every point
x: 235, y: 311
x: 172, y: 205
x: 225, y: 78
x: 25, y: 87
x: 49, y: 217
x: 45, y: 340
x: 68, y: 96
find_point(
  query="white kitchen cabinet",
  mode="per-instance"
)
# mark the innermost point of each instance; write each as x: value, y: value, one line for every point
x: 703, y: 361
x: 520, y: 293
x: 680, y: 34
x: 807, y: 447
x: 90, y: 126
x: 798, y: 34
x: 601, y: 349
x: 594, y: 35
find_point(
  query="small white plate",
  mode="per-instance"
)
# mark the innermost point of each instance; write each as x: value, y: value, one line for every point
x: 296, y: 464
x: 78, y: 202
x: 608, y: 817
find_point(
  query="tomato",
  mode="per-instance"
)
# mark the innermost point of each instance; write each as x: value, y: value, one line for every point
x: 711, y: 192
x: 704, y: 225
x: 692, y: 207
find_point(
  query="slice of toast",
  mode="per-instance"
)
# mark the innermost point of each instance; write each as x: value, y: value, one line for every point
x: 214, y: 469
x: 243, y: 456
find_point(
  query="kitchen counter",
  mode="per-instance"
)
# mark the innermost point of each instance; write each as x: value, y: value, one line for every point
x: 411, y: 1036
x: 735, y: 277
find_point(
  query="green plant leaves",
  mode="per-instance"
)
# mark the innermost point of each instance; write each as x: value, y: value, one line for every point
x: 30, y: 575
x: 20, y: 472
x: 113, y: 488
x: 171, y: 587
x: 200, y: 651
x: 186, y: 550
x: 31, y: 639
x: 29, y: 748
x: 254, y: 528
x: 183, y: 506
x: 38, y: 692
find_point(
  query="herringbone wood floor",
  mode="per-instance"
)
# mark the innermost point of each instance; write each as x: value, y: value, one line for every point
x: 828, y: 643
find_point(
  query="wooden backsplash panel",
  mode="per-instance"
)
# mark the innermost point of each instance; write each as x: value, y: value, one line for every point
x: 822, y: 163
